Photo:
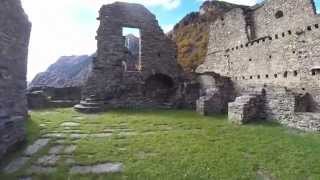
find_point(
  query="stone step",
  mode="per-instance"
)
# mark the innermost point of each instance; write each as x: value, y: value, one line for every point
x: 88, y: 109
x: 91, y: 104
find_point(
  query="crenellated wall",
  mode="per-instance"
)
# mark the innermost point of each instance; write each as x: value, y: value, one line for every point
x: 14, y: 38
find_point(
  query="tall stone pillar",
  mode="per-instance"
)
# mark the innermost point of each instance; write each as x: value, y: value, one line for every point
x: 14, y: 39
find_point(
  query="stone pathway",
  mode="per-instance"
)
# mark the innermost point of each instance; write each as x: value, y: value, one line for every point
x: 96, y: 169
x: 45, y: 154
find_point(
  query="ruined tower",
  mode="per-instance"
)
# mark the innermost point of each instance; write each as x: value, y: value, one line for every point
x: 14, y: 38
x: 155, y: 80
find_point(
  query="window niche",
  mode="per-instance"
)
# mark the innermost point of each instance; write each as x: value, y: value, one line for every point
x: 132, y: 44
x: 279, y: 14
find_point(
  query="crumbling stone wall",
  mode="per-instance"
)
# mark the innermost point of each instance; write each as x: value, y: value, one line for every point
x: 273, y: 44
x: 215, y: 94
x: 14, y: 39
x: 110, y: 83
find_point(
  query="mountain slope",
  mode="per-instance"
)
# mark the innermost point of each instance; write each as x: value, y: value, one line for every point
x: 68, y: 71
x: 73, y: 71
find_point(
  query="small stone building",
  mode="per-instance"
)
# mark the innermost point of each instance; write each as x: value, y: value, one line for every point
x: 271, y: 53
x: 155, y: 82
x: 14, y: 38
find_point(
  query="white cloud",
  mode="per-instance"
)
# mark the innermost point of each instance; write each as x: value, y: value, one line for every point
x: 67, y: 27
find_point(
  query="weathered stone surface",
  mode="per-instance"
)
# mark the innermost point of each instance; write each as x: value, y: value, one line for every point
x: 97, y: 169
x: 36, y: 146
x: 70, y: 149
x: 14, y: 39
x: 70, y: 124
x: 55, y: 135
x: 25, y: 178
x: 41, y: 170
x: 16, y: 164
x: 48, y: 160
x: 56, y: 149
x: 274, y: 46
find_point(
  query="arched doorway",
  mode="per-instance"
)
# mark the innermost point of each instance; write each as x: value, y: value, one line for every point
x: 159, y: 87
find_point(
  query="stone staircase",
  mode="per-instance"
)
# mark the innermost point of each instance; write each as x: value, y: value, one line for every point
x: 90, y: 105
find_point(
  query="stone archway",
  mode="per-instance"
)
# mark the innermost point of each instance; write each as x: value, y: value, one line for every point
x: 159, y: 87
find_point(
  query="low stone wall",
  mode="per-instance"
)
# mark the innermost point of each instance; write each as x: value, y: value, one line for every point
x: 50, y: 97
x: 245, y: 109
x: 274, y: 104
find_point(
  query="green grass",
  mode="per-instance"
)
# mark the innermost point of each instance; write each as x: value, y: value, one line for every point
x: 174, y: 145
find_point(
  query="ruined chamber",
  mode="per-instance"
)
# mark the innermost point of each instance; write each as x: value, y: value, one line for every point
x: 270, y: 52
x: 153, y: 80
x: 14, y: 38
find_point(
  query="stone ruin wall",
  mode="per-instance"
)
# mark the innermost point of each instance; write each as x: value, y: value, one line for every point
x: 14, y: 38
x: 275, y: 44
x: 110, y: 82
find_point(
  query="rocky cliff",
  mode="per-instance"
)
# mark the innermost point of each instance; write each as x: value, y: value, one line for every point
x: 191, y: 34
x: 68, y: 71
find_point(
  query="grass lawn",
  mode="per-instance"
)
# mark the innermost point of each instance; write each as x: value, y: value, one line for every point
x: 174, y: 145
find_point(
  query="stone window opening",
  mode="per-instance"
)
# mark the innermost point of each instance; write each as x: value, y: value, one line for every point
x: 295, y: 73
x: 285, y: 74
x: 276, y: 36
x: 259, y: 76
x: 250, y: 60
x: 267, y: 76
x: 316, y: 26
x: 251, y: 77
x: 315, y: 71
x: 243, y: 78
x: 275, y: 75
x: 270, y: 57
x: 283, y: 34
x: 289, y: 32
x: 132, y: 44
x: 309, y: 28
x: 279, y: 14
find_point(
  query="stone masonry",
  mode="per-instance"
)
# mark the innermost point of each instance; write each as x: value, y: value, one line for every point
x: 156, y: 80
x: 14, y: 38
x: 274, y: 45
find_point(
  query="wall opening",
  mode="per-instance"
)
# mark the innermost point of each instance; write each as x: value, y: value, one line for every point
x: 304, y: 103
x: 159, y: 87
x: 132, y: 44
x: 279, y: 14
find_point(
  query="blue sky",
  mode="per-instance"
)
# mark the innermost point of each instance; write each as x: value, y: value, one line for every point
x: 68, y: 27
